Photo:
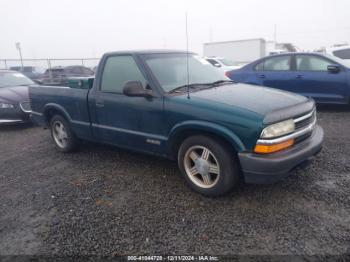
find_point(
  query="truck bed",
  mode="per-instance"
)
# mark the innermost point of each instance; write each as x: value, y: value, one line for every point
x: 72, y: 101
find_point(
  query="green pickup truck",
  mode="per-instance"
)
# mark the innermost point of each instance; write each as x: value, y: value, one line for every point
x: 175, y: 104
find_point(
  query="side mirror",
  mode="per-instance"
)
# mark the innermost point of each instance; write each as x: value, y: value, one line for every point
x: 217, y: 65
x: 333, y: 69
x: 135, y: 88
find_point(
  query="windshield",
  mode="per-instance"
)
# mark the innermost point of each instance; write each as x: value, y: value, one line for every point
x: 13, y: 79
x: 227, y: 62
x: 171, y: 70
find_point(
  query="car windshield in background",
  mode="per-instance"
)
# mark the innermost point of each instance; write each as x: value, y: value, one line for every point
x: 343, y: 62
x: 8, y: 79
x: 171, y: 70
x: 343, y: 53
x: 227, y: 62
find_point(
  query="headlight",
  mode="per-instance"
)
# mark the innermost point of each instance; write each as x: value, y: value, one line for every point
x: 4, y: 105
x: 278, y: 129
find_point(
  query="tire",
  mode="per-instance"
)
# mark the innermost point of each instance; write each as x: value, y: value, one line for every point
x: 62, y: 135
x: 209, y: 166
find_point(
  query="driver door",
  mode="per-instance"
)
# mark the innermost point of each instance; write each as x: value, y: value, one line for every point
x: 133, y: 122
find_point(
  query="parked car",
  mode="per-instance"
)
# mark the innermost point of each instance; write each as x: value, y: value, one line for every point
x: 32, y: 72
x: 14, y: 99
x: 342, y: 52
x: 59, y: 75
x: 322, y: 77
x: 223, y: 63
x: 218, y: 131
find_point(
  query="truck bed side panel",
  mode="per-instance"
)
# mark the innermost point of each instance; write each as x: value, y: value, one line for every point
x: 70, y: 102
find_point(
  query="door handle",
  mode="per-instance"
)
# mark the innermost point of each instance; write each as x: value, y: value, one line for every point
x: 299, y: 76
x: 262, y: 76
x: 100, y: 103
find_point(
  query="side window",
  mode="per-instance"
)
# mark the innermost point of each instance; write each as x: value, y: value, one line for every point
x: 279, y: 63
x: 260, y: 67
x: 311, y: 63
x: 117, y: 71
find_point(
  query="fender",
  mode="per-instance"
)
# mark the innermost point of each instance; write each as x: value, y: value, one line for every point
x: 58, y: 108
x: 208, y: 127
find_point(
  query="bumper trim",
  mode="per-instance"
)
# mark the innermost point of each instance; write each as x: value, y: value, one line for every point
x: 25, y: 111
x: 262, y: 169
x: 7, y: 121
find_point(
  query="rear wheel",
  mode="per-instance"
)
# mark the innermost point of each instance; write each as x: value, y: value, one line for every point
x: 208, y: 165
x: 62, y: 134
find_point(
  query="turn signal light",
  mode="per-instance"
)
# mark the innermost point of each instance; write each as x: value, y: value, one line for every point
x: 266, y: 149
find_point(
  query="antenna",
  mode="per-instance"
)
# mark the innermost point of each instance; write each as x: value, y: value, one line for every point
x: 188, y: 72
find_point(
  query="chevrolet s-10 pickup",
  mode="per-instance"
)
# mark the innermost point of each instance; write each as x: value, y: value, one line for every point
x: 174, y: 104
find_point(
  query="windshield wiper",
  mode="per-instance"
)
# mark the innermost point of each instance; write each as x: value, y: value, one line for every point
x: 222, y: 82
x: 199, y: 85
x: 184, y: 87
x: 216, y: 83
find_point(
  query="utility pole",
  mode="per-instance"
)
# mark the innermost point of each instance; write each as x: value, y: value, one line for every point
x: 18, y: 46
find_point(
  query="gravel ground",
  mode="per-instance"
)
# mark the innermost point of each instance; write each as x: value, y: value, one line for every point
x: 105, y: 201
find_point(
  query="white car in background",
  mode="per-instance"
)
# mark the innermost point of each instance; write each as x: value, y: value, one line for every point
x: 342, y: 52
x: 223, y: 63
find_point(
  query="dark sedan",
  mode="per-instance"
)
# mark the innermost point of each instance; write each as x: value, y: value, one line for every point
x: 58, y: 75
x: 14, y: 98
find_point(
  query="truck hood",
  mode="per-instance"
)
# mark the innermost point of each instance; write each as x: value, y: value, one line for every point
x: 14, y: 94
x: 260, y: 100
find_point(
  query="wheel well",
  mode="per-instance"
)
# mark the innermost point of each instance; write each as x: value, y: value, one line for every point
x: 179, y: 138
x: 49, y: 113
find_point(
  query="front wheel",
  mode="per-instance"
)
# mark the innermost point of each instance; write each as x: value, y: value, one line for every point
x: 62, y: 135
x: 208, y: 165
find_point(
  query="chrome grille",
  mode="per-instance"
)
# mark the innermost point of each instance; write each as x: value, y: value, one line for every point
x: 25, y: 106
x: 305, y: 120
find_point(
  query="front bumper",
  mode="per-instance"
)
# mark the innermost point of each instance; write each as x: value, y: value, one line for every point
x: 265, y: 169
x: 13, y: 116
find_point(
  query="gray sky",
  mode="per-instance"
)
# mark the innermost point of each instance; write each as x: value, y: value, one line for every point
x: 88, y: 28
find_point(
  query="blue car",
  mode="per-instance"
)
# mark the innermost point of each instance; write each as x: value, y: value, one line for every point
x: 324, y: 78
